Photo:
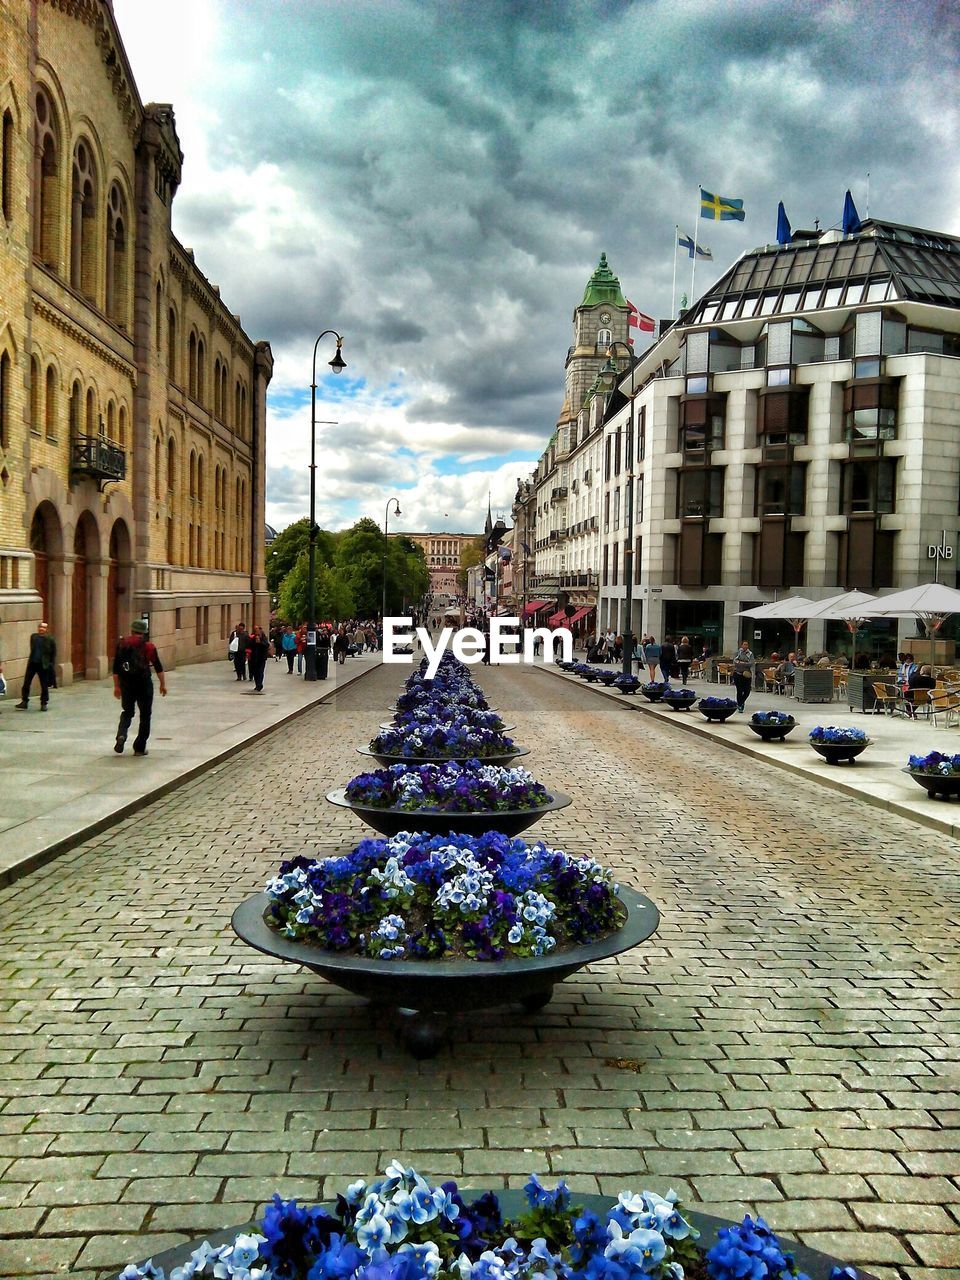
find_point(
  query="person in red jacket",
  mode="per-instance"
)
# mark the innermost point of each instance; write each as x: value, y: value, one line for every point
x: 133, y: 685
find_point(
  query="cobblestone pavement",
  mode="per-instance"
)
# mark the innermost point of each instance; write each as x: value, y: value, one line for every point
x: 789, y: 1041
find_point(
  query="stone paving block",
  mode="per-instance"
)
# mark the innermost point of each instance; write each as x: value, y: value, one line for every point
x: 38, y: 1257
x: 903, y: 1217
x: 858, y: 1246
x: 115, y: 1251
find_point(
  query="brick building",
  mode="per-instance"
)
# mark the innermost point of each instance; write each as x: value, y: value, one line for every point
x: 132, y: 403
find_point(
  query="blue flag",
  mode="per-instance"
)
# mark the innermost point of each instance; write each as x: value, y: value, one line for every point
x: 784, y: 234
x: 720, y: 208
x: 851, y: 219
x: 686, y: 242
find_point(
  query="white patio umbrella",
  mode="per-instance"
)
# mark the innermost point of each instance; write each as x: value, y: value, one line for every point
x: 791, y: 608
x: 932, y: 603
x: 852, y: 608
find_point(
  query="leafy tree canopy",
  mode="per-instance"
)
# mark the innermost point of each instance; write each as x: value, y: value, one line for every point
x: 334, y: 599
x: 285, y: 549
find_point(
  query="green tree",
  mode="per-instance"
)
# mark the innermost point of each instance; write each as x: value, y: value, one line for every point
x: 471, y: 553
x: 361, y: 558
x: 334, y: 599
x: 285, y: 549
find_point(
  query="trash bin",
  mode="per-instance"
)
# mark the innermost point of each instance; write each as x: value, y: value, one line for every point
x: 323, y: 663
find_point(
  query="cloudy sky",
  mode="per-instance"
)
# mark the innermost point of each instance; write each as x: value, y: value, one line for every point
x: 436, y: 179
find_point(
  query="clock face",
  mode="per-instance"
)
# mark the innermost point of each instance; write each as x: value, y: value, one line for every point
x: 604, y: 317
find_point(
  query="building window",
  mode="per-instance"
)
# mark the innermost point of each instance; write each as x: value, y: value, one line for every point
x: 172, y: 344
x: 700, y: 492
x: 702, y: 424
x: 869, y: 486
x: 6, y: 390
x: 781, y: 490
x: 83, y: 238
x: 50, y: 404
x: 6, y: 167
x: 870, y: 412
x: 46, y: 209
x: 782, y: 419
x: 118, y: 236
x: 35, y: 395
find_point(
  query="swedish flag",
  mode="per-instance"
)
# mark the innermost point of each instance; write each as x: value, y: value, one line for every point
x: 720, y: 208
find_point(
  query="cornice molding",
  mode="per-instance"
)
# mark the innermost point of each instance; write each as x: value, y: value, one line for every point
x: 84, y: 337
x: 97, y: 16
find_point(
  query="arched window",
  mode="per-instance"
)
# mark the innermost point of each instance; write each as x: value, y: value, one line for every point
x: 604, y: 338
x: 6, y: 390
x: 217, y: 407
x: 237, y: 420
x: 34, y: 394
x: 157, y: 451
x: 83, y: 222
x: 91, y: 421
x: 6, y: 166
x: 76, y: 410
x: 111, y: 422
x: 122, y: 428
x: 118, y: 255
x: 224, y: 392
x: 46, y: 175
x: 200, y: 480
x: 192, y: 365
x: 193, y: 474
x: 50, y: 404
x: 172, y: 345
x: 158, y: 318
x: 201, y: 371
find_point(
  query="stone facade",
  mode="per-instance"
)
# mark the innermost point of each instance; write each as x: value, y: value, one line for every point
x: 132, y: 403
x: 442, y: 553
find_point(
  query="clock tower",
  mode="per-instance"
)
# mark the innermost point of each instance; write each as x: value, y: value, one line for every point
x: 601, y: 318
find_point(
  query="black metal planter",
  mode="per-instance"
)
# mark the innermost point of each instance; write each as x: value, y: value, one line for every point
x: 678, y: 704
x: 772, y: 732
x: 836, y: 752
x: 651, y: 695
x: 503, y: 758
x: 438, y: 822
x: 513, y: 1202
x: 716, y: 715
x: 938, y: 786
x: 426, y: 992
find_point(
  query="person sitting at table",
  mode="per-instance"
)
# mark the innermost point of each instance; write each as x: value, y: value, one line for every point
x: 785, y: 672
x: 920, y: 680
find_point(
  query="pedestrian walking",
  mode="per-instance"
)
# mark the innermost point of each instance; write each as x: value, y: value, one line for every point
x: 668, y: 657
x: 743, y: 666
x: 341, y: 645
x: 259, y: 649
x: 133, y: 685
x: 42, y: 664
x: 651, y: 656
x: 684, y: 658
x: 301, y: 648
x: 288, y: 643
x: 240, y: 642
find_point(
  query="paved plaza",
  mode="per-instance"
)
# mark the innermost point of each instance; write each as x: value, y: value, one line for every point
x: 788, y: 1042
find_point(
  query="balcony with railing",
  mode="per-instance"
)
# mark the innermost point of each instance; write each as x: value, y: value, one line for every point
x: 559, y: 494
x: 96, y: 457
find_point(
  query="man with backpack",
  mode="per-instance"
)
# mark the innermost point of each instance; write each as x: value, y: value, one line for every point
x: 133, y: 685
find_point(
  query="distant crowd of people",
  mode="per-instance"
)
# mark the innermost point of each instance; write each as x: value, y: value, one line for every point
x: 250, y: 648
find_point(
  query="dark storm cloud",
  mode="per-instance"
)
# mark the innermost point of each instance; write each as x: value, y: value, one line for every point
x: 447, y: 173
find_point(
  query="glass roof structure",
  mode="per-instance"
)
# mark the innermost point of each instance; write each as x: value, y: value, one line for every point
x: 881, y: 262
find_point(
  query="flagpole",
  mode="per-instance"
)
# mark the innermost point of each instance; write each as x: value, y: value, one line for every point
x: 696, y: 238
x: 673, y: 293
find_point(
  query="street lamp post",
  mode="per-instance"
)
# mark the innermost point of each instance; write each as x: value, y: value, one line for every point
x: 386, y: 517
x: 609, y: 376
x: 337, y: 364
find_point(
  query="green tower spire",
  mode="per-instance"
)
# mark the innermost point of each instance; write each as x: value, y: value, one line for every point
x: 603, y: 286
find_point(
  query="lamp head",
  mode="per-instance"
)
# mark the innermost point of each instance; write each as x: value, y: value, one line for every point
x: 608, y: 375
x: 338, y: 364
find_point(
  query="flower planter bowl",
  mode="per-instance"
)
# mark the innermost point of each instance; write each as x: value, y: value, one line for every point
x: 942, y: 786
x: 386, y: 725
x: 594, y: 675
x: 608, y: 677
x: 717, y: 715
x: 773, y: 732
x: 629, y: 687
x: 421, y: 989
x: 651, y: 695
x: 437, y: 821
x: 835, y: 752
x: 503, y: 757
x: 678, y: 704
x: 513, y: 1202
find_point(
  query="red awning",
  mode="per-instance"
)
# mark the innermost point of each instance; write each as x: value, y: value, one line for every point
x: 557, y: 619
x: 582, y: 613
x: 535, y: 606
x: 560, y: 618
